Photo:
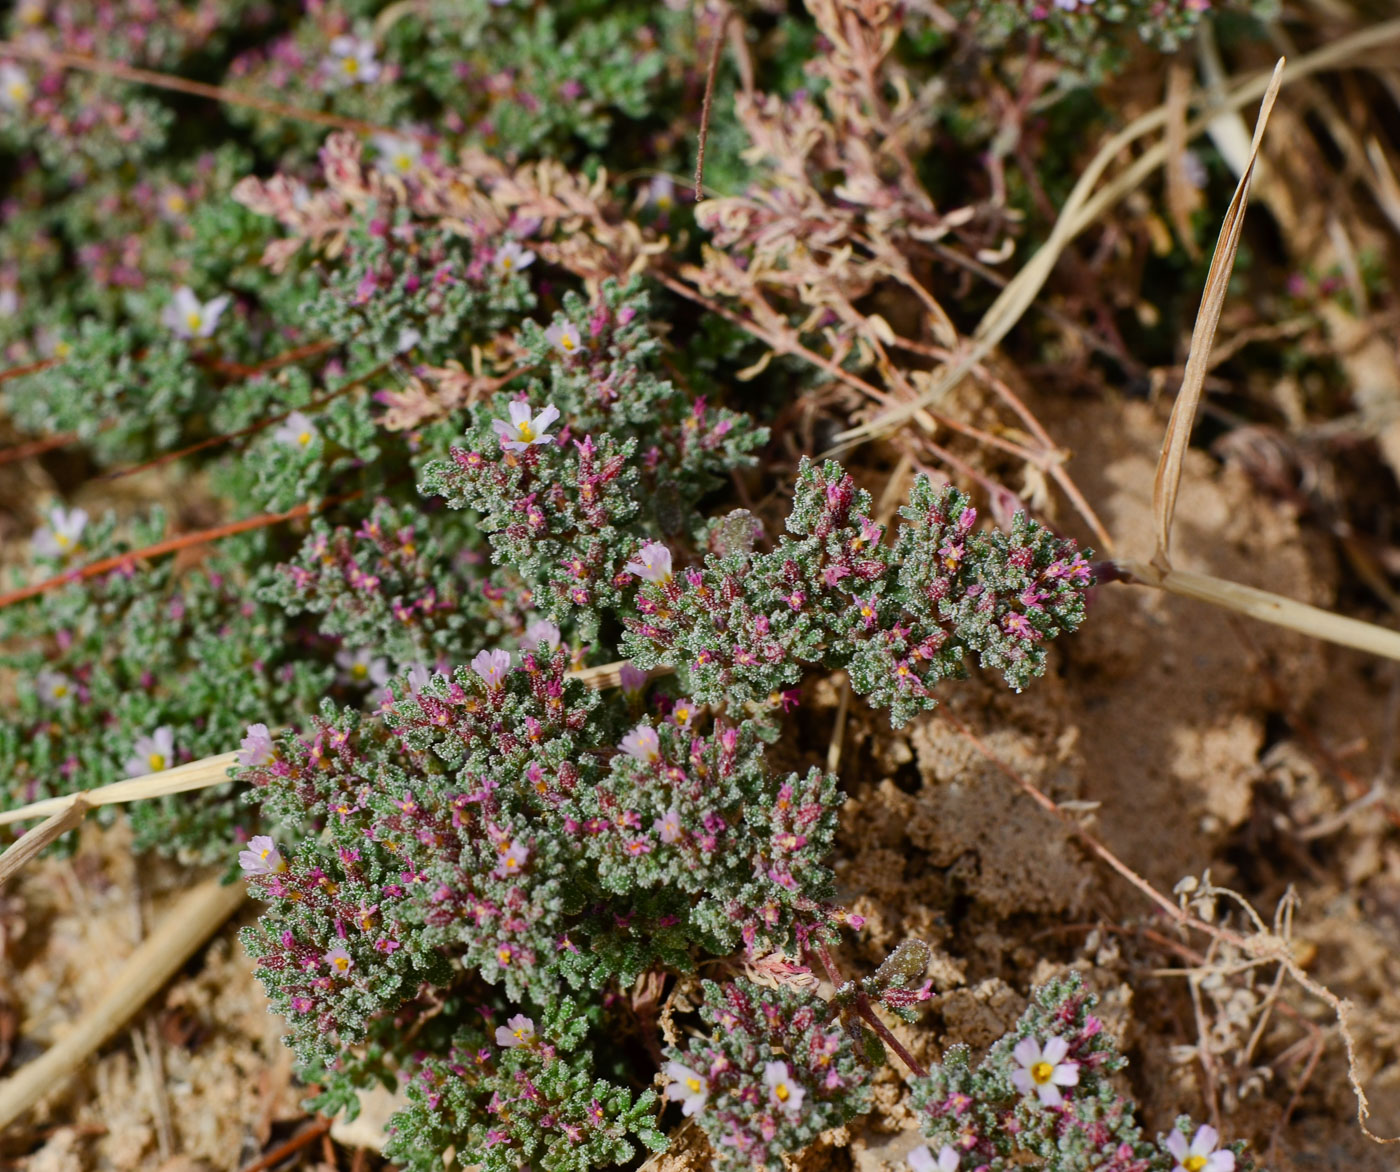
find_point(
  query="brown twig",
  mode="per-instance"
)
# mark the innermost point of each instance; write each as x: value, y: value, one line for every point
x: 710, y: 73
x: 170, y: 545
x: 216, y: 93
x: 305, y: 1136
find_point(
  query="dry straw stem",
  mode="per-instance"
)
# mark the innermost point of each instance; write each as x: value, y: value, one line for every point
x: 1183, y: 417
x: 193, y: 775
x: 58, y: 823
x: 189, y: 923
x: 199, y: 774
x: 1271, y: 608
x: 1083, y: 209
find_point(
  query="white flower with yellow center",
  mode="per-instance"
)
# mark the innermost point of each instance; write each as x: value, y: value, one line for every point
x: 1043, y: 1070
x: 352, y: 61
x: 565, y: 336
x: 297, y: 431
x: 1202, y: 1154
x: 152, y: 752
x: 360, y: 667
x: 922, y: 1160
x: 511, y: 257
x: 63, y: 534
x: 525, y: 429
x: 188, y: 317
x: 398, y: 154
x: 53, y: 686
x: 689, y: 1087
x: 15, y: 87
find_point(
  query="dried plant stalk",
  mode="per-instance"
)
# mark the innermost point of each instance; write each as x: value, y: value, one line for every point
x: 35, y: 840
x: 188, y: 925
x: 1169, y: 464
x: 1271, y: 608
x: 193, y: 775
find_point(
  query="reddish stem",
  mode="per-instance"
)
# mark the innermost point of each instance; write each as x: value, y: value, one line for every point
x: 170, y: 545
x: 867, y: 1014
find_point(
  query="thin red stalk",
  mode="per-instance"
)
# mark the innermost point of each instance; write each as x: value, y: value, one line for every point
x: 705, y: 107
x: 302, y: 1138
x: 28, y: 368
x: 170, y: 545
x: 862, y: 1005
x: 251, y: 429
x: 198, y: 89
x: 37, y: 447
x: 286, y: 358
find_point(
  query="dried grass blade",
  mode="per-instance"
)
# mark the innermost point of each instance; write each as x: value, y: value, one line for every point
x: 35, y: 840
x: 1183, y: 416
x: 192, y: 775
x: 1270, y: 608
x: 209, y: 771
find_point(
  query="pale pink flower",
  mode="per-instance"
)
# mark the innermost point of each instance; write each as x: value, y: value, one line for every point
x: 514, y: 855
x: 541, y: 635
x: 785, y: 1091
x: 922, y: 1160
x: 339, y: 960
x: 668, y: 826
x: 257, y: 747
x: 518, y: 1031
x: 52, y: 686
x: 361, y: 667
x: 492, y: 666
x: 643, y: 744
x: 397, y: 154
x: 511, y: 257
x: 262, y: 857
x: 652, y: 563
x: 632, y: 679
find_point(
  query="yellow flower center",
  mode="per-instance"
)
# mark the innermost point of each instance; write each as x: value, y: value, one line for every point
x: 350, y: 65
x: 194, y: 319
x: 503, y: 955
x: 682, y: 714
x: 1041, y: 1073
x: 566, y: 341
x: 59, y: 691
x: 62, y: 350
x: 175, y: 203
x: 156, y: 762
x: 694, y: 1085
x: 781, y: 1092
x: 506, y: 264
x: 304, y: 438
x: 62, y: 540
x: 527, y: 433
x: 359, y: 671
x: 1194, y: 1163
x: 403, y: 161
x: 341, y: 962
x: 18, y: 91
x: 520, y: 1035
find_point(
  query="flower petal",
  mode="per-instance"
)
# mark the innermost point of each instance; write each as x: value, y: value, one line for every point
x: 1055, y: 1050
